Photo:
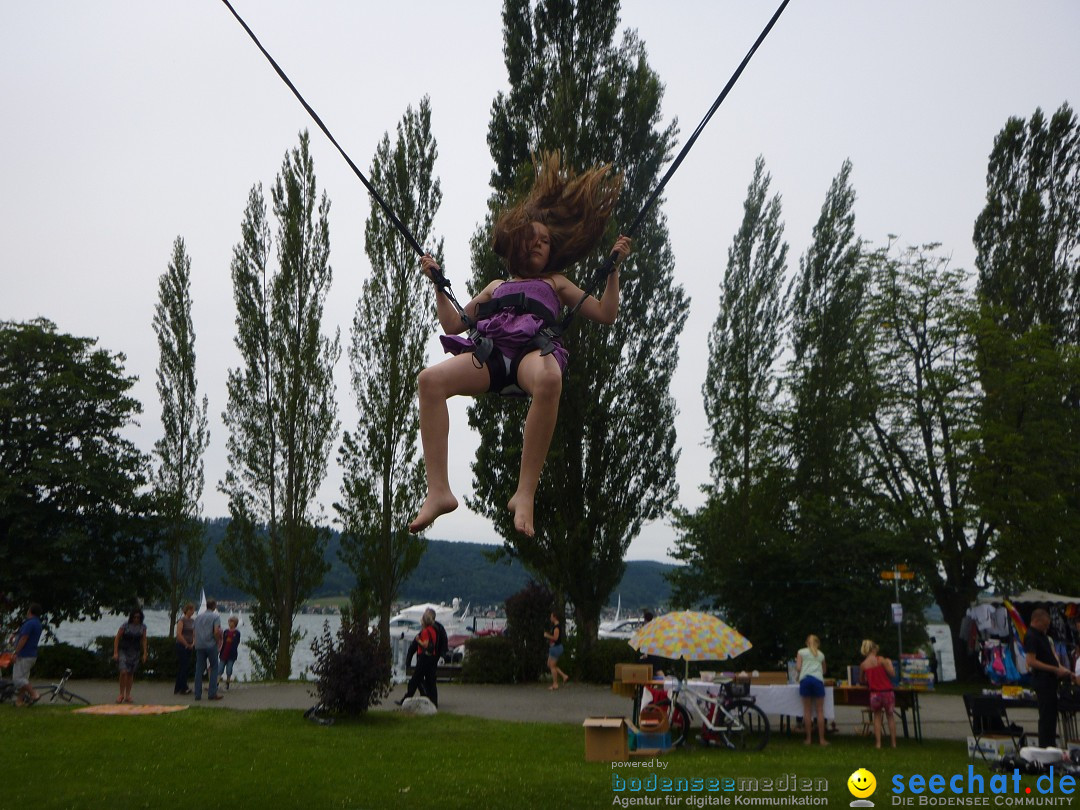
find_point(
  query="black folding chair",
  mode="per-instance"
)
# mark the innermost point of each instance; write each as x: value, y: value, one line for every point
x: 989, y: 721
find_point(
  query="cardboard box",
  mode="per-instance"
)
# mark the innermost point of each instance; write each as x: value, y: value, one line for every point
x: 606, y: 739
x: 991, y: 747
x: 633, y: 673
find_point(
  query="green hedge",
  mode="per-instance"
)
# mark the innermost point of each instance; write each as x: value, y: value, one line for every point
x: 598, y: 666
x: 489, y: 659
x: 53, y: 659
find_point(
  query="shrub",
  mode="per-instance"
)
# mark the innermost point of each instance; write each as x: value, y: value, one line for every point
x: 598, y: 664
x: 489, y: 659
x: 528, y: 613
x: 354, y: 675
x: 53, y: 659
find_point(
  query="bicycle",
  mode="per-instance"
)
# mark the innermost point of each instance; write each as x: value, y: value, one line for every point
x: 729, y: 719
x: 59, y: 691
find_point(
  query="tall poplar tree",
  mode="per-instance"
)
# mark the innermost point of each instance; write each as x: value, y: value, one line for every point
x: 383, y: 482
x: 611, y: 466
x: 839, y: 542
x: 1027, y: 241
x: 178, y: 480
x: 281, y: 414
x: 741, y: 527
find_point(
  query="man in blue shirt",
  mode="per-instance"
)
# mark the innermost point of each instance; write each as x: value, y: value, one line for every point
x: 207, y: 642
x: 26, y: 650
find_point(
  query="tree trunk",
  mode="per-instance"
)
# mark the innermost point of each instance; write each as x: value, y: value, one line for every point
x: 283, y: 661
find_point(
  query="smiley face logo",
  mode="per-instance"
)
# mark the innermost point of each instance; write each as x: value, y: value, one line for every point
x: 861, y: 783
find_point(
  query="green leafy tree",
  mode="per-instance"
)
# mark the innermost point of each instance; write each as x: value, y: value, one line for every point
x: 611, y: 466
x: 76, y: 531
x: 742, y: 525
x: 383, y: 478
x: 1027, y: 241
x: 179, y: 480
x: 920, y: 432
x: 281, y: 413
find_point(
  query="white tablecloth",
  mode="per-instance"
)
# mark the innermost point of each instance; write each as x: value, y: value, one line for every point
x: 785, y: 700
x: 777, y: 700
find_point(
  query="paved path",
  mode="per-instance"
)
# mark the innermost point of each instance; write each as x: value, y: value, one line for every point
x: 943, y: 716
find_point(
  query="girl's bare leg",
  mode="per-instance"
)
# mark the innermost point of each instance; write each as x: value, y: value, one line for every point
x: 540, y: 377
x: 457, y: 375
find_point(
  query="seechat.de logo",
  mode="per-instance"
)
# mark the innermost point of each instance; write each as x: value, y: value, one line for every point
x: 862, y: 785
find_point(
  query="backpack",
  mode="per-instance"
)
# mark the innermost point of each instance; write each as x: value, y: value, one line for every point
x: 442, y: 644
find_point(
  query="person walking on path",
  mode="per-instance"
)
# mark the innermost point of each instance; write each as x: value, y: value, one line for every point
x: 26, y: 650
x: 810, y: 662
x: 427, y: 661
x: 877, y: 671
x: 185, y: 643
x: 129, y: 646
x: 555, y: 650
x: 207, y: 643
x: 1046, y: 670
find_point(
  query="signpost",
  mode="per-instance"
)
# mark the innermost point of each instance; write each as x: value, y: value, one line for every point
x: 899, y: 572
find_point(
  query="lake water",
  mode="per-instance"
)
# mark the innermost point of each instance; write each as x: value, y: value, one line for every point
x: 83, y: 633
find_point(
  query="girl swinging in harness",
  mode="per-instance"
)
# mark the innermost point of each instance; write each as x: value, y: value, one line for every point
x: 558, y: 223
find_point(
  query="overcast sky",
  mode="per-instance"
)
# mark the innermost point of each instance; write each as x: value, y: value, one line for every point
x: 127, y: 124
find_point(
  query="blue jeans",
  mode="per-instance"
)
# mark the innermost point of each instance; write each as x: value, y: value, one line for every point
x: 204, y: 656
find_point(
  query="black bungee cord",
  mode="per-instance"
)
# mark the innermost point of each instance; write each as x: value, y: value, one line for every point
x: 440, y: 279
x: 605, y: 269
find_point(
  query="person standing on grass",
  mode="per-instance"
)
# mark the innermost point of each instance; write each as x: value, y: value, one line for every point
x: 1045, y: 669
x: 810, y: 662
x: 554, y: 636
x: 185, y: 643
x: 207, y: 643
x: 128, y: 646
x: 877, y: 672
x: 26, y: 650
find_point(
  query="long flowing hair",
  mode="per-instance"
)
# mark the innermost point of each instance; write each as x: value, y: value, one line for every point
x: 574, y: 207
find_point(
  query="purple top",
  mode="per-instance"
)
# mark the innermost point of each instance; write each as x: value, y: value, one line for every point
x: 509, y: 330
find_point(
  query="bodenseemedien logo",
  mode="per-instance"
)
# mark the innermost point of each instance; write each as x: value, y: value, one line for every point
x: 862, y: 785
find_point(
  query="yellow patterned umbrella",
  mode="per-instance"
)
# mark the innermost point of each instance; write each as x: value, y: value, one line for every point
x: 691, y: 635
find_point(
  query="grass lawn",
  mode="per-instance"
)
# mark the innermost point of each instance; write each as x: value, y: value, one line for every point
x: 275, y: 759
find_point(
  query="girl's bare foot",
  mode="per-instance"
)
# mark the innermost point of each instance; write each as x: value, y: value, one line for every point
x: 434, y: 505
x: 522, y: 509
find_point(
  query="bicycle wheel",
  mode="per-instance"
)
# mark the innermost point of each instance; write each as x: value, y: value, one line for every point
x: 750, y: 730
x: 67, y: 696
x: 680, y: 725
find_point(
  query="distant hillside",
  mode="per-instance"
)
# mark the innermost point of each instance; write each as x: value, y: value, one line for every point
x: 450, y: 569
